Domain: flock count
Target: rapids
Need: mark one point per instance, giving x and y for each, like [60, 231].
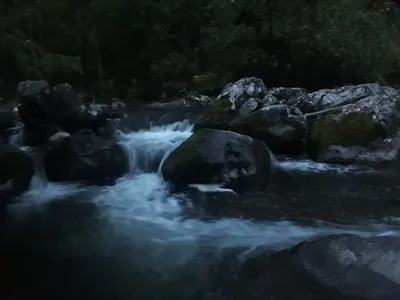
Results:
[143, 239]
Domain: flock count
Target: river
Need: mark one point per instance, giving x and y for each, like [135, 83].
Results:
[143, 239]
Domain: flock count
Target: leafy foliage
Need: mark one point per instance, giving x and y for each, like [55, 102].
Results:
[137, 48]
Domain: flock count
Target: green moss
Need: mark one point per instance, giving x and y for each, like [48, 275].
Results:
[253, 125]
[355, 128]
[187, 150]
[220, 111]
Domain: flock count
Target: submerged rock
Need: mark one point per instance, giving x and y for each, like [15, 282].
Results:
[282, 131]
[85, 156]
[221, 157]
[16, 171]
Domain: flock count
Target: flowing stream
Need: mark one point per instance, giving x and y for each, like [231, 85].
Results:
[143, 239]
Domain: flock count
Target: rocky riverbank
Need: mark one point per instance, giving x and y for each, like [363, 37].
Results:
[214, 196]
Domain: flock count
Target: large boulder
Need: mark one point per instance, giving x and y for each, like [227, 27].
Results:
[83, 156]
[7, 119]
[336, 267]
[219, 157]
[283, 130]
[16, 171]
[60, 105]
[359, 124]
[352, 266]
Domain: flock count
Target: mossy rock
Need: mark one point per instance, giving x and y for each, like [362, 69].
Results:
[283, 134]
[351, 129]
[186, 164]
[218, 116]
[218, 156]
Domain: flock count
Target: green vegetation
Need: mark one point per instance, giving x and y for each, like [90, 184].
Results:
[352, 129]
[136, 48]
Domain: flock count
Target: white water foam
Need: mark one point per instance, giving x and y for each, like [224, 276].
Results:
[316, 167]
[141, 212]
[147, 148]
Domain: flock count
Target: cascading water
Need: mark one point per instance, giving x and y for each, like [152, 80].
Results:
[141, 222]
[147, 148]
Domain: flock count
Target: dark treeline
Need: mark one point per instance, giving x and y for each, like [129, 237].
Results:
[145, 48]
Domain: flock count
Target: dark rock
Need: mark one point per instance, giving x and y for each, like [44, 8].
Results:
[7, 119]
[85, 156]
[286, 95]
[336, 267]
[16, 171]
[197, 100]
[38, 133]
[249, 106]
[305, 104]
[282, 131]
[31, 89]
[62, 106]
[218, 116]
[357, 267]
[217, 156]
[293, 97]
[117, 104]
[269, 100]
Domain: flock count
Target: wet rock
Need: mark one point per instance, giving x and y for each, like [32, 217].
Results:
[353, 266]
[242, 90]
[16, 171]
[85, 156]
[358, 124]
[217, 156]
[336, 267]
[7, 119]
[282, 131]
